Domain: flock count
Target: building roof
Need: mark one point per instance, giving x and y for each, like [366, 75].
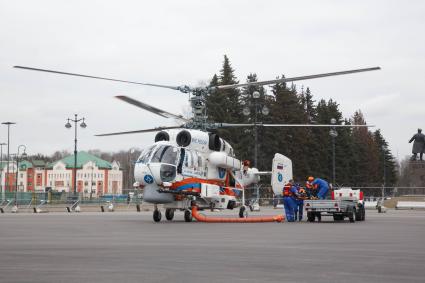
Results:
[39, 163]
[82, 158]
[24, 164]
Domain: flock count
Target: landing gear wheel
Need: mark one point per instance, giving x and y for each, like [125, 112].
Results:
[310, 217]
[243, 213]
[157, 215]
[352, 216]
[169, 214]
[187, 215]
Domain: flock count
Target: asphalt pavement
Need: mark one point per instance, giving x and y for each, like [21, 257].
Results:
[130, 247]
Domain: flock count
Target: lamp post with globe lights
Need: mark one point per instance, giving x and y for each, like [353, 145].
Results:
[68, 126]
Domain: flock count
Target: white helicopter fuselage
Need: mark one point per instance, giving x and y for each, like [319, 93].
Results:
[185, 164]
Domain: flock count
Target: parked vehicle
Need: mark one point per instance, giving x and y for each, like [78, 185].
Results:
[344, 203]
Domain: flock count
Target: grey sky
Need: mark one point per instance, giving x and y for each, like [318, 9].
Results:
[183, 42]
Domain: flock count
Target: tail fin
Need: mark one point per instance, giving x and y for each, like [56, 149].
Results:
[281, 172]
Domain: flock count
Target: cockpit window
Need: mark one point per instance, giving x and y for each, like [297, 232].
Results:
[146, 153]
[165, 154]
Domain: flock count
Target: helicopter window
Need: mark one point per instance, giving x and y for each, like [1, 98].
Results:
[165, 154]
[188, 159]
[201, 161]
[194, 160]
[146, 153]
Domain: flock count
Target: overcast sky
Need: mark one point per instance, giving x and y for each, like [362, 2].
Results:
[183, 42]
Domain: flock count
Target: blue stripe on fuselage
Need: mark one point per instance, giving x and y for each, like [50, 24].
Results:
[189, 186]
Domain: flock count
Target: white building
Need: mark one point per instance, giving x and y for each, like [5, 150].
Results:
[95, 176]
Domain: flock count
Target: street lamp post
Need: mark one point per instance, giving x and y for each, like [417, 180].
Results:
[68, 126]
[1, 172]
[265, 111]
[257, 108]
[384, 176]
[8, 154]
[333, 133]
[17, 170]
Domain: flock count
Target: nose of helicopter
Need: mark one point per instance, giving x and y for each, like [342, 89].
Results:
[152, 195]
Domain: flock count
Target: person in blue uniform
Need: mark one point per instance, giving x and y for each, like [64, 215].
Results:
[302, 195]
[320, 186]
[289, 200]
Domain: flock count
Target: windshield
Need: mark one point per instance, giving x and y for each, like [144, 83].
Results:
[165, 154]
[146, 153]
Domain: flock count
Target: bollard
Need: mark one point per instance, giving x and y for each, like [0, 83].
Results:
[102, 208]
[138, 207]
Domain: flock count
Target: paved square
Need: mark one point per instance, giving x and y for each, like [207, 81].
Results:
[130, 247]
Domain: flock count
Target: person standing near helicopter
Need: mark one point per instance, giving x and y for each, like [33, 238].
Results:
[290, 194]
[299, 207]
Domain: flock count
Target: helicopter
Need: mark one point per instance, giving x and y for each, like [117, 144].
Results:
[191, 165]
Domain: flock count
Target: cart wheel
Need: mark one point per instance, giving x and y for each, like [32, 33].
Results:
[363, 214]
[338, 217]
[319, 217]
[169, 214]
[352, 216]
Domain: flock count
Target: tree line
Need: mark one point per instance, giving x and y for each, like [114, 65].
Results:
[360, 153]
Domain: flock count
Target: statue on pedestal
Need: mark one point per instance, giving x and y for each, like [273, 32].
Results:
[418, 145]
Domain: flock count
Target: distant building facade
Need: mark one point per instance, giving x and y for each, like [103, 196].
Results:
[95, 176]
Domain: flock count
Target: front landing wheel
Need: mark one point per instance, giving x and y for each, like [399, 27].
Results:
[157, 215]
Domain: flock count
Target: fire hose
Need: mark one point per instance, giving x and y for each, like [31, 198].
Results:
[202, 218]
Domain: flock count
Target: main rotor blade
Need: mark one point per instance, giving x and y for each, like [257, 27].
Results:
[284, 80]
[316, 125]
[95, 77]
[150, 108]
[140, 131]
[223, 125]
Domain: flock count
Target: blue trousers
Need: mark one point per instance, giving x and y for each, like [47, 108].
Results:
[290, 206]
[299, 208]
[323, 191]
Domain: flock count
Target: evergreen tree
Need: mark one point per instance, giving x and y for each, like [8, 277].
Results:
[385, 157]
[366, 154]
[224, 105]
